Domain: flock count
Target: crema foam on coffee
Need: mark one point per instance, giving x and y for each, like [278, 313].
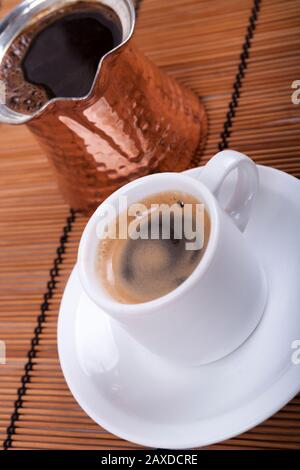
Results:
[136, 270]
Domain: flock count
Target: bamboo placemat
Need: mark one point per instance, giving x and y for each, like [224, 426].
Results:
[245, 82]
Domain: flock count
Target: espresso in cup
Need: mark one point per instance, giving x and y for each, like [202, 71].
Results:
[164, 238]
[58, 55]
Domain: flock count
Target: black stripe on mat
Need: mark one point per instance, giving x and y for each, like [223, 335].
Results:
[225, 134]
[44, 308]
[54, 271]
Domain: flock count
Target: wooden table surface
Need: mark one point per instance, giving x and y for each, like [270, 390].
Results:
[201, 43]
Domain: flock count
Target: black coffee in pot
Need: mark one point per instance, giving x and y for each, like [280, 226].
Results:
[58, 56]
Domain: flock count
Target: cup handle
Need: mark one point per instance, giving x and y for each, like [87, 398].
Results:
[218, 168]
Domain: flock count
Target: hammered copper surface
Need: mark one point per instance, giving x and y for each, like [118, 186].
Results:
[137, 120]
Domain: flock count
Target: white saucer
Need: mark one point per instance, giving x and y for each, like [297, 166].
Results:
[143, 399]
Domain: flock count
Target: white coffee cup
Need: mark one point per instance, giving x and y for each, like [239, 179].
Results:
[220, 304]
